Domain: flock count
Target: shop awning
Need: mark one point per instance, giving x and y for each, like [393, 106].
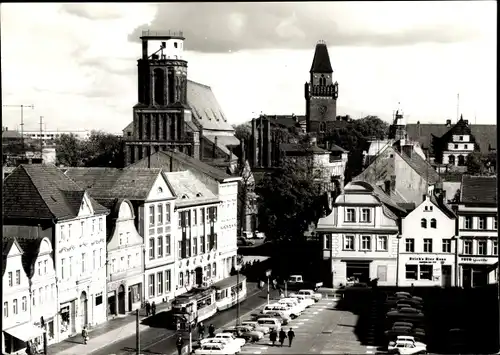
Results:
[25, 332]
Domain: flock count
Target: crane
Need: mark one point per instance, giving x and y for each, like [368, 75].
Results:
[22, 119]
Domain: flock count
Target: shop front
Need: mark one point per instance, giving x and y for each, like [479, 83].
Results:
[123, 296]
[477, 271]
[67, 318]
[48, 325]
[17, 337]
[426, 270]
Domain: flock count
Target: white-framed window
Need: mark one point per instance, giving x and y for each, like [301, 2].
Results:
[159, 210]
[202, 244]
[18, 277]
[167, 245]
[6, 309]
[167, 213]
[481, 247]
[94, 263]
[113, 265]
[348, 242]
[69, 231]
[70, 266]
[151, 248]
[423, 223]
[382, 243]
[350, 215]
[468, 247]
[151, 215]
[100, 257]
[63, 233]
[195, 246]
[187, 282]
[366, 242]
[83, 263]
[129, 260]
[494, 247]
[159, 282]
[82, 229]
[410, 245]
[151, 285]
[468, 222]
[122, 263]
[446, 246]
[202, 215]
[45, 267]
[62, 269]
[195, 217]
[427, 245]
[39, 268]
[168, 284]
[93, 226]
[34, 297]
[179, 249]
[14, 307]
[366, 215]
[495, 223]
[482, 222]
[11, 279]
[24, 304]
[101, 224]
[214, 270]
[181, 279]
[433, 223]
[160, 246]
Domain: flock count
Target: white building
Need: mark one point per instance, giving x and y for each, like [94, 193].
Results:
[198, 260]
[457, 143]
[49, 137]
[478, 231]
[360, 235]
[427, 250]
[42, 195]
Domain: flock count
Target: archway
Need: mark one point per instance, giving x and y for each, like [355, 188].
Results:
[121, 299]
[83, 309]
[199, 275]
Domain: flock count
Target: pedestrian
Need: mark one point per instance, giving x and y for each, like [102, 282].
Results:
[85, 335]
[148, 308]
[412, 289]
[211, 331]
[282, 337]
[291, 335]
[275, 283]
[179, 343]
[201, 330]
[153, 308]
[273, 336]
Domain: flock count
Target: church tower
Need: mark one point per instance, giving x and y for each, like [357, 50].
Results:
[397, 130]
[162, 110]
[321, 93]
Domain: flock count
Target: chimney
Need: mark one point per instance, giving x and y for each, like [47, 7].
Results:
[268, 144]
[448, 123]
[424, 196]
[393, 182]
[214, 147]
[387, 187]
[327, 145]
[407, 149]
[253, 147]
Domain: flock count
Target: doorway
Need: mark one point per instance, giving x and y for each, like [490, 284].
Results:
[112, 303]
[199, 275]
[446, 275]
[130, 299]
[83, 308]
[121, 299]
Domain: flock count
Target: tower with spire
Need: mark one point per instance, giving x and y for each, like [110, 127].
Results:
[321, 93]
[397, 130]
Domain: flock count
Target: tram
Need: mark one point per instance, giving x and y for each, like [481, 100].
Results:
[230, 291]
[194, 306]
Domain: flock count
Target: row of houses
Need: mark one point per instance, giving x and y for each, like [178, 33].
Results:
[368, 235]
[82, 245]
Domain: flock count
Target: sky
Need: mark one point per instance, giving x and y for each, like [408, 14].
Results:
[76, 63]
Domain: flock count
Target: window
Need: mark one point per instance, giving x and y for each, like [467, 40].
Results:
[365, 215]
[151, 285]
[494, 248]
[63, 234]
[349, 242]
[456, 146]
[101, 224]
[468, 222]
[98, 299]
[468, 247]
[62, 269]
[93, 226]
[159, 282]
[18, 277]
[40, 296]
[159, 211]
[167, 213]
[168, 285]
[129, 259]
[382, 243]
[160, 246]
[14, 307]
[466, 146]
[214, 269]
[461, 138]
[151, 248]
[425, 272]
[70, 266]
[350, 215]
[366, 242]
[34, 297]
[427, 245]
[482, 222]
[179, 249]
[495, 223]
[45, 267]
[10, 279]
[100, 257]
[167, 245]
[94, 259]
[423, 223]
[6, 309]
[195, 246]
[69, 231]
[195, 217]
[181, 279]
[481, 247]
[122, 263]
[328, 241]
[433, 223]
[446, 245]
[24, 304]
[411, 272]
[113, 265]
[83, 263]
[82, 228]
[202, 215]
[202, 244]
[410, 245]
[151, 216]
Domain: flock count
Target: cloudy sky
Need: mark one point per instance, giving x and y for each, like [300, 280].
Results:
[77, 62]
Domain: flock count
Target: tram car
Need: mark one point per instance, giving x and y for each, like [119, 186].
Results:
[193, 307]
[230, 291]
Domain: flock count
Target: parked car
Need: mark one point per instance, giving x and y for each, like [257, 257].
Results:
[284, 319]
[308, 302]
[259, 235]
[282, 310]
[311, 294]
[300, 305]
[406, 314]
[292, 306]
[402, 294]
[270, 322]
[247, 235]
[394, 332]
[230, 338]
[227, 342]
[256, 326]
[216, 348]
[406, 345]
[246, 333]
[244, 242]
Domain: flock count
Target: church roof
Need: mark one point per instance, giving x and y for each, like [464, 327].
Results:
[321, 62]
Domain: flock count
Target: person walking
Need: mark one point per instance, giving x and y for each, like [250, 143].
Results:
[148, 308]
[291, 335]
[211, 331]
[201, 330]
[273, 336]
[282, 337]
[153, 308]
[179, 344]
[85, 335]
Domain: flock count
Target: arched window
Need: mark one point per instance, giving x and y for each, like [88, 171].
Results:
[433, 223]
[214, 269]
[181, 279]
[209, 270]
[423, 223]
[451, 160]
[187, 277]
[322, 127]
[322, 80]
[159, 78]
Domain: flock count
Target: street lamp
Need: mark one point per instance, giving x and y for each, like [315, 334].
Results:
[238, 268]
[397, 261]
[268, 273]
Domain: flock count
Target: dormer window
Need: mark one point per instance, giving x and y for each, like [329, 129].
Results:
[199, 194]
[184, 196]
[461, 138]
[160, 190]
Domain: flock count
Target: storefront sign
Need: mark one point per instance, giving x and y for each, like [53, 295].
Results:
[474, 260]
[427, 259]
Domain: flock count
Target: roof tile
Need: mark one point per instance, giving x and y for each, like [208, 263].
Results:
[479, 189]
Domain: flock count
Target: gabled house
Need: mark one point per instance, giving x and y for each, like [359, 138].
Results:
[42, 197]
[361, 234]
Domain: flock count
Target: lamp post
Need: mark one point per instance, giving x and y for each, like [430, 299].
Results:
[268, 273]
[237, 267]
[397, 261]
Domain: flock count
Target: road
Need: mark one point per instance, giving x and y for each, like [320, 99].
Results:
[158, 340]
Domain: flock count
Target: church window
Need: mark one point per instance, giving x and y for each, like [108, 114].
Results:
[322, 81]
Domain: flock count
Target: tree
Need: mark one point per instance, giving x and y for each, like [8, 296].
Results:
[243, 131]
[103, 150]
[69, 150]
[371, 127]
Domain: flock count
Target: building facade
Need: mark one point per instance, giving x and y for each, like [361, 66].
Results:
[125, 253]
[361, 235]
[427, 250]
[478, 231]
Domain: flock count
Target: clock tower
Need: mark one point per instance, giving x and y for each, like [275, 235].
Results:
[321, 93]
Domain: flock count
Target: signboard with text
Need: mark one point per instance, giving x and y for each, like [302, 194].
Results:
[427, 259]
[478, 260]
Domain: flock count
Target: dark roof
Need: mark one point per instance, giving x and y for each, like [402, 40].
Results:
[443, 207]
[479, 190]
[162, 160]
[321, 62]
[285, 121]
[43, 192]
[300, 148]
[11, 135]
[336, 148]
[229, 281]
[31, 248]
[109, 183]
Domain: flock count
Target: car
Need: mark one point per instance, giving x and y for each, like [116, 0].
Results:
[270, 322]
[308, 302]
[247, 333]
[230, 338]
[300, 305]
[402, 324]
[406, 345]
[244, 242]
[247, 235]
[259, 235]
[284, 319]
[293, 305]
[216, 348]
[311, 294]
[229, 345]
[406, 314]
[256, 326]
[282, 310]
[402, 294]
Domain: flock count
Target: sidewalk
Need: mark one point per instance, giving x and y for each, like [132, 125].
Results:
[104, 334]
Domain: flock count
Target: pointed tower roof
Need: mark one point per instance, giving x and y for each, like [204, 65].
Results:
[321, 62]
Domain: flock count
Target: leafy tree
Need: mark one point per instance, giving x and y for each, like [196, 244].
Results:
[243, 131]
[475, 164]
[69, 150]
[371, 127]
[103, 150]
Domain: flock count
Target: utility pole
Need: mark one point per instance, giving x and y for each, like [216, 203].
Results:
[41, 132]
[22, 119]
[137, 334]
[238, 294]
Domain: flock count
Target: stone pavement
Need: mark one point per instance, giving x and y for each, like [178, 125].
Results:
[104, 334]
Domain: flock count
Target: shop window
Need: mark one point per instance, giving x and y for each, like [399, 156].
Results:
[425, 272]
[382, 244]
[411, 272]
[98, 299]
[446, 245]
[410, 245]
[481, 247]
[427, 245]
[349, 242]
[423, 223]
[468, 222]
[433, 223]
